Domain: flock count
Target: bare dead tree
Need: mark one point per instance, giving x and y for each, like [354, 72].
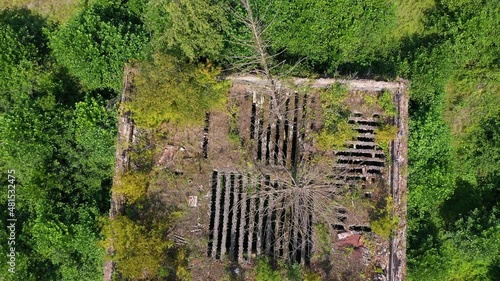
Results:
[307, 191]
[299, 200]
[296, 206]
[260, 61]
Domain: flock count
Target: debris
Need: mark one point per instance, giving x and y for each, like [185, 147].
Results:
[193, 201]
[354, 240]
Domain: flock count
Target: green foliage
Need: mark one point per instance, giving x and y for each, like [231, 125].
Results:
[168, 90]
[454, 163]
[93, 130]
[311, 276]
[383, 221]
[294, 272]
[60, 138]
[265, 272]
[324, 242]
[141, 248]
[61, 146]
[56, 10]
[236, 36]
[431, 173]
[471, 109]
[95, 44]
[384, 135]
[187, 28]
[331, 33]
[182, 265]
[142, 151]
[467, 253]
[332, 102]
[387, 103]
[23, 46]
[291, 272]
[133, 185]
[63, 183]
[411, 16]
[137, 249]
[234, 136]
[334, 140]
[59, 244]
[337, 131]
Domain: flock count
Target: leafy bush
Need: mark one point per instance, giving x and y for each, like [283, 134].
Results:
[283, 272]
[168, 90]
[384, 222]
[265, 272]
[133, 185]
[137, 251]
[64, 159]
[96, 43]
[336, 131]
[334, 140]
[453, 74]
[331, 33]
[24, 49]
[387, 103]
[384, 135]
[62, 150]
[188, 28]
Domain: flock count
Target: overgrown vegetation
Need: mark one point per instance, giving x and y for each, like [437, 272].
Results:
[383, 221]
[95, 44]
[187, 29]
[449, 184]
[60, 75]
[384, 135]
[293, 272]
[139, 251]
[337, 131]
[170, 90]
[59, 140]
[331, 34]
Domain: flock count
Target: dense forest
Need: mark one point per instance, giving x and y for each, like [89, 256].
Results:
[61, 73]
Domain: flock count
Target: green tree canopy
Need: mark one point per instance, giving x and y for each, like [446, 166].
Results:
[330, 33]
[189, 28]
[95, 44]
[22, 50]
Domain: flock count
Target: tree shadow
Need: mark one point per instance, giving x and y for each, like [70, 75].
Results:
[68, 90]
[468, 197]
[29, 27]
[423, 234]
[494, 269]
[380, 68]
[465, 198]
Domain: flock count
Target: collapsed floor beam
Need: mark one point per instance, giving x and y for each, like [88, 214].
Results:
[215, 241]
[225, 221]
[243, 216]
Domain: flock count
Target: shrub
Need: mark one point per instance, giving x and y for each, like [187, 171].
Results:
[386, 102]
[133, 185]
[265, 272]
[384, 222]
[95, 44]
[337, 131]
[188, 28]
[169, 90]
[384, 135]
[330, 33]
[137, 251]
